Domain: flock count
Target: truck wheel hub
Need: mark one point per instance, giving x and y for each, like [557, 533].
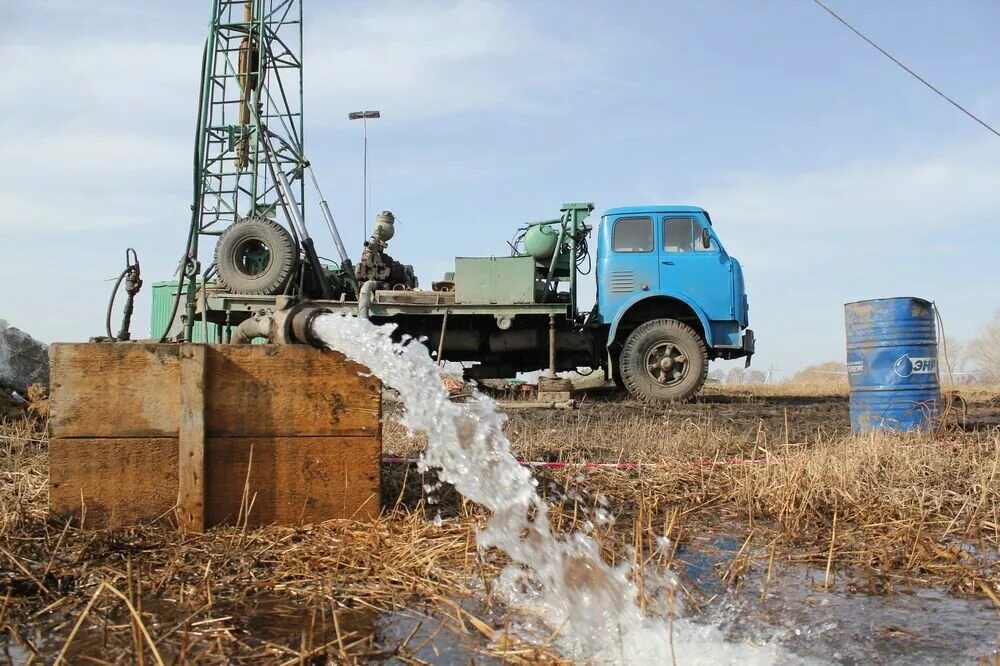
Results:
[252, 257]
[666, 364]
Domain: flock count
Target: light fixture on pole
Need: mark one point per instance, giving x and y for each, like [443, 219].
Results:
[363, 116]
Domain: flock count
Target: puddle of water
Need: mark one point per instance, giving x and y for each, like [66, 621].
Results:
[408, 631]
[272, 618]
[843, 624]
[433, 639]
[278, 618]
[907, 626]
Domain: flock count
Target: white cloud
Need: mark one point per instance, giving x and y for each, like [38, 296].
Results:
[73, 210]
[414, 60]
[74, 82]
[89, 181]
[110, 120]
[93, 156]
[97, 130]
[780, 222]
[437, 60]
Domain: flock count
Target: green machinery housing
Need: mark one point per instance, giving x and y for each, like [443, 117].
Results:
[545, 255]
[499, 312]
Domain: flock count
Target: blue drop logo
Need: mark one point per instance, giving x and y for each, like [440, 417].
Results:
[903, 366]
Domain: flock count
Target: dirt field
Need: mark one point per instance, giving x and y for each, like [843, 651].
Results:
[809, 412]
[745, 483]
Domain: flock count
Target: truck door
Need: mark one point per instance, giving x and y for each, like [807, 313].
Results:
[692, 269]
[632, 265]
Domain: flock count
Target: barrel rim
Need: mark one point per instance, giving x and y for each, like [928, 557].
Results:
[891, 298]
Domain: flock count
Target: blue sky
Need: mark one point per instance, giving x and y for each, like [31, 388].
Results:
[829, 172]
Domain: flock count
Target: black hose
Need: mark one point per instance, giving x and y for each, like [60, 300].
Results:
[516, 242]
[111, 303]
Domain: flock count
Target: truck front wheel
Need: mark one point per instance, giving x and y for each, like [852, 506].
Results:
[663, 360]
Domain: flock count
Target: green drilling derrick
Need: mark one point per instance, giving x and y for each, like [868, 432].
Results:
[250, 132]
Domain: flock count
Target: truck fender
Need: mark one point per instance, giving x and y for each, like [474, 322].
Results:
[678, 297]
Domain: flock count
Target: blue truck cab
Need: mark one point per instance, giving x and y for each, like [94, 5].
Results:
[670, 299]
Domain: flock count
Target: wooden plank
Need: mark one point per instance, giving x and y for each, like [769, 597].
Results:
[126, 390]
[114, 390]
[292, 481]
[191, 439]
[114, 482]
[288, 391]
[123, 414]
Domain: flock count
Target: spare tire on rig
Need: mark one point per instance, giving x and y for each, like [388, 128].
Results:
[663, 360]
[255, 256]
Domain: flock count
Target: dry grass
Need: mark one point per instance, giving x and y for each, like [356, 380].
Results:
[798, 389]
[924, 508]
[274, 594]
[23, 473]
[921, 509]
[785, 476]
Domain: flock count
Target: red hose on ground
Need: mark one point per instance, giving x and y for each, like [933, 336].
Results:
[399, 460]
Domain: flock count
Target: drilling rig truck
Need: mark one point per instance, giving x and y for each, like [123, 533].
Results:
[670, 298]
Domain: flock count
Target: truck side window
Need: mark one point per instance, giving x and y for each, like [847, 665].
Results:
[678, 234]
[633, 234]
[683, 234]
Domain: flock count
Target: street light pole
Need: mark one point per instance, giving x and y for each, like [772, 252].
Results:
[363, 116]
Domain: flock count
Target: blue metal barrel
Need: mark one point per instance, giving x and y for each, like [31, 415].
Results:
[892, 364]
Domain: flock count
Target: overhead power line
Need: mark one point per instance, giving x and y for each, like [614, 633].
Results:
[908, 70]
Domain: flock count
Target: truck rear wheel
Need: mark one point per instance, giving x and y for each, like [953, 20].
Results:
[663, 360]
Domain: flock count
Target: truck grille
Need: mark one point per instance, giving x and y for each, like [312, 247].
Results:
[622, 281]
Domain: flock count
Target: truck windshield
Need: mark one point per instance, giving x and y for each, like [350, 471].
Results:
[633, 234]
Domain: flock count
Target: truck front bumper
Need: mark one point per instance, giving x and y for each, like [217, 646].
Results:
[749, 345]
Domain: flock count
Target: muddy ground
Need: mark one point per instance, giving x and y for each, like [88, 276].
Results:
[767, 410]
[804, 415]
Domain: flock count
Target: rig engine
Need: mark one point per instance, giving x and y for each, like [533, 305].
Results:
[377, 265]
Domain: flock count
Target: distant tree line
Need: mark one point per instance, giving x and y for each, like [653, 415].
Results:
[975, 360]
[831, 372]
[737, 376]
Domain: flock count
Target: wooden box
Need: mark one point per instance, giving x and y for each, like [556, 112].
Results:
[215, 434]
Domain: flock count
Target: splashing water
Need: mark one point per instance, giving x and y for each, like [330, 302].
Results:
[563, 580]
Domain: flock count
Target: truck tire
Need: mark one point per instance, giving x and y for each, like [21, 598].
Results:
[255, 256]
[663, 360]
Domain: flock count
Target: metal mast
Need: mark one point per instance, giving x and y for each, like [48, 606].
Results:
[251, 100]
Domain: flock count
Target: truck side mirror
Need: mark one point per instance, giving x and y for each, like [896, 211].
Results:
[706, 239]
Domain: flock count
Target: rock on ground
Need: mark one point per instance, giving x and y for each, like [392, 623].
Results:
[23, 360]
